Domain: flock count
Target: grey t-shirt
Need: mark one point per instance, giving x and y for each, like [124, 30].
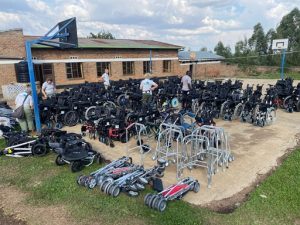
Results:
[185, 80]
[49, 88]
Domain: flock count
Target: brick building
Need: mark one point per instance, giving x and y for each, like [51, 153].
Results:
[125, 59]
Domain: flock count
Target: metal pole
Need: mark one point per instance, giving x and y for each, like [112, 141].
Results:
[33, 86]
[151, 61]
[282, 64]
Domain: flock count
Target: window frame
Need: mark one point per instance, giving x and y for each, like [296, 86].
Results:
[100, 67]
[147, 67]
[128, 65]
[167, 69]
[78, 70]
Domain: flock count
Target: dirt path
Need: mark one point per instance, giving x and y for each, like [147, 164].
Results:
[13, 202]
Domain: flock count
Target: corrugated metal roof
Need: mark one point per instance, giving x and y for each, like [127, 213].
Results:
[115, 43]
[198, 56]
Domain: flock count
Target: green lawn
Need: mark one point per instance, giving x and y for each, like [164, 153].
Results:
[295, 76]
[48, 184]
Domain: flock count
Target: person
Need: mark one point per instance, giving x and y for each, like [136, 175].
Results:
[48, 88]
[26, 123]
[147, 86]
[186, 82]
[105, 78]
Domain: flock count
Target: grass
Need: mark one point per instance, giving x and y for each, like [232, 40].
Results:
[294, 75]
[48, 184]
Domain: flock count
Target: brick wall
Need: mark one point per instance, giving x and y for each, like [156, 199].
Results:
[12, 44]
[100, 53]
[7, 74]
[89, 69]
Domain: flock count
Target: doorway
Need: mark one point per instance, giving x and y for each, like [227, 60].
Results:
[43, 71]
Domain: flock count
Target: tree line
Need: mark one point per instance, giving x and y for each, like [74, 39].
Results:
[257, 50]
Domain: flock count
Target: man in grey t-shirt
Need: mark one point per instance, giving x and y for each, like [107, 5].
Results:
[48, 88]
[105, 79]
[186, 82]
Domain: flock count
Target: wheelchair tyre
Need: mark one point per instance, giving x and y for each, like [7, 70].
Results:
[77, 166]
[39, 150]
[59, 161]
[71, 118]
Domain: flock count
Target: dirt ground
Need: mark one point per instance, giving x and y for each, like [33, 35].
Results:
[256, 151]
[13, 202]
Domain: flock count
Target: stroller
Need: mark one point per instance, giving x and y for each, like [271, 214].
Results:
[73, 150]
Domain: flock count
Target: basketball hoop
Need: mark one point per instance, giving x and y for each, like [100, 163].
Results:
[280, 44]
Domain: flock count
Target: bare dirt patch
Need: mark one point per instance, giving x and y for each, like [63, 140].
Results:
[13, 201]
[9, 219]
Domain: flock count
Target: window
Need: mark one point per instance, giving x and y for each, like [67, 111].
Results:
[47, 70]
[128, 68]
[146, 67]
[101, 66]
[74, 70]
[167, 66]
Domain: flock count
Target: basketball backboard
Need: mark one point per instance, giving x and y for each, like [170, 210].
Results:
[280, 44]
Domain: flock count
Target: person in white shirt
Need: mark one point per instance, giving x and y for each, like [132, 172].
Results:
[26, 124]
[105, 79]
[48, 88]
[147, 86]
[186, 82]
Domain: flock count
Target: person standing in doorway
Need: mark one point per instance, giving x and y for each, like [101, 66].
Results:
[48, 88]
[147, 86]
[25, 99]
[105, 79]
[186, 82]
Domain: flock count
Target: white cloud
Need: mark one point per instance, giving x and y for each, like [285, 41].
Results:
[221, 24]
[277, 11]
[198, 31]
[72, 10]
[40, 6]
[8, 18]
[175, 20]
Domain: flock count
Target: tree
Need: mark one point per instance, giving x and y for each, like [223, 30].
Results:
[289, 27]
[221, 50]
[203, 49]
[241, 48]
[102, 35]
[258, 41]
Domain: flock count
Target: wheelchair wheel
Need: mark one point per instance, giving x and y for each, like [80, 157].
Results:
[196, 187]
[77, 166]
[90, 112]
[39, 150]
[147, 198]
[224, 106]
[59, 161]
[110, 105]
[238, 111]
[298, 106]
[286, 102]
[71, 118]
[161, 205]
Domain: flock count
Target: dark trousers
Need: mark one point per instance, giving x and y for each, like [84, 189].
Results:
[185, 99]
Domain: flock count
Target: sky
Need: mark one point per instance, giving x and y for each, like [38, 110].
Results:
[190, 23]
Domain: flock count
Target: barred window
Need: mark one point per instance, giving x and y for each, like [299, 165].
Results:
[74, 70]
[101, 66]
[167, 66]
[146, 67]
[128, 68]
